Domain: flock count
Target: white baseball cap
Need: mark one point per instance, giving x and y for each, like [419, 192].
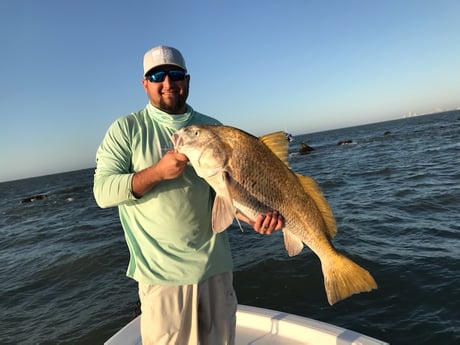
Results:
[163, 55]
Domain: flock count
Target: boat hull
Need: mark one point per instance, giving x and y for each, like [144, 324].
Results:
[257, 326]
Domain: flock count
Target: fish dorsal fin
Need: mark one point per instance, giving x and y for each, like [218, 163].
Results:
[277, 143]
[314, 191]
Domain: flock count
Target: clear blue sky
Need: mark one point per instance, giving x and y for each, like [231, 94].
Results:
[70, 68]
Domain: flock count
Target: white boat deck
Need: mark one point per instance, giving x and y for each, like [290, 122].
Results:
[257, 326]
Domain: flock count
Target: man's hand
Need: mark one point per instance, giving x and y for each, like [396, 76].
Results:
[170, 166]
[265, 224]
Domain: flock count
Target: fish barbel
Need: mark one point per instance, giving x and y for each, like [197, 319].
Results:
[251, 175]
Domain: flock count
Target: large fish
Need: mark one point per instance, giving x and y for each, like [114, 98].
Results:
[251, 175]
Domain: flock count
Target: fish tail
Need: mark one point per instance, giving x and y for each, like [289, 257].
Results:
[343, 278]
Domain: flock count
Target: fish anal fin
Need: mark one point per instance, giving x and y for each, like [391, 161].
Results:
[343, 278]
[277, 143]
[314, 191]
[223, 213]
[292, 243]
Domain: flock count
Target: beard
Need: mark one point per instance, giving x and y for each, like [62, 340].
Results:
[174, 105]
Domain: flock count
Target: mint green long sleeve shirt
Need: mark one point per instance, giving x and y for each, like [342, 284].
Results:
[167, 230]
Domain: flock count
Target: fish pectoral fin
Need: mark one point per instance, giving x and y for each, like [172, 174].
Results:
[314, 191]
[223, 210]
[223, 213]
[292, 243]
[277, 143]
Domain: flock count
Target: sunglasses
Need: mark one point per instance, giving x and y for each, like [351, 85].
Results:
[159, 76]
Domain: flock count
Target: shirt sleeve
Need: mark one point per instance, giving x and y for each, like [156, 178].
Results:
[113, 175]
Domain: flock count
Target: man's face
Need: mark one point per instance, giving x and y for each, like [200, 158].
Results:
[168, 95]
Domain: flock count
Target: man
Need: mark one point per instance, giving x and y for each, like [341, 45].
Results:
[184, 270]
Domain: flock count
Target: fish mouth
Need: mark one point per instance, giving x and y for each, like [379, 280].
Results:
[177, 140]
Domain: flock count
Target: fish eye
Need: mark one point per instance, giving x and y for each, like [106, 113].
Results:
[197, 133]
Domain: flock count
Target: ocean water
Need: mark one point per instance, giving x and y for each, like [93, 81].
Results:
[396, 198]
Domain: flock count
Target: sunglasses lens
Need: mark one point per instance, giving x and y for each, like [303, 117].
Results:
[157, 76]
[176, 75]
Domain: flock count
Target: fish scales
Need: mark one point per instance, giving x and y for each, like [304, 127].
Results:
[250, 170]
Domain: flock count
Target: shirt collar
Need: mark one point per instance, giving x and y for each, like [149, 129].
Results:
[175, 121]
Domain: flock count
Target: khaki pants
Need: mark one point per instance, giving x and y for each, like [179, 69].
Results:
[203, 313]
